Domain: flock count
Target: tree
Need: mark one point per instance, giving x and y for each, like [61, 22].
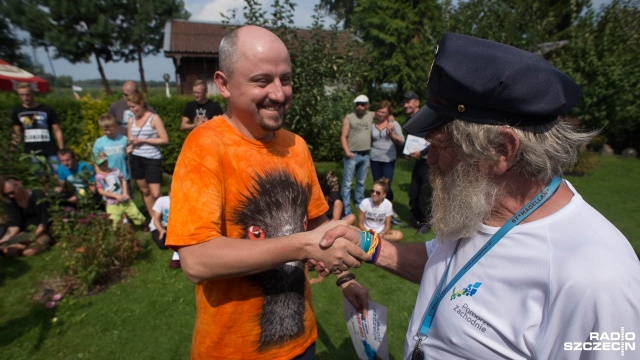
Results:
[602, 57]
[521, 23]
[76, 30]
[400, 39]
[140, 28]
[342, 10]
[9, 43]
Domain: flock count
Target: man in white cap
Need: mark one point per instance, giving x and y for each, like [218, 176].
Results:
[356, 143]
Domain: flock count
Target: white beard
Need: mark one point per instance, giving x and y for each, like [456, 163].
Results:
[462, 200]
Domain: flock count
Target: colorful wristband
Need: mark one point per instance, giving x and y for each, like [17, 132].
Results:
[373, 245]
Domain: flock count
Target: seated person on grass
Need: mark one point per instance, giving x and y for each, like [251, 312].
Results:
[376, 212]
[112, 186]
[331, 191]
[76, 178]
[24, 217]
[159, 228]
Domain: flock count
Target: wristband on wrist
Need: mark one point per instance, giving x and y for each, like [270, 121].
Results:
[370, 243]
[345, 278]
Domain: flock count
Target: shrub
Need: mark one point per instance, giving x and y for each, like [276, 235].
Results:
[92, 251]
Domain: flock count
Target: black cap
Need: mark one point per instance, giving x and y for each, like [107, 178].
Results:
[410, 95]
[486, 82]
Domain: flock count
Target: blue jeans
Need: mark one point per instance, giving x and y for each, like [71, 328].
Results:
[381, 169]
[360, 165]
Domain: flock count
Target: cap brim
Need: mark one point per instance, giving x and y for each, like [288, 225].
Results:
[424, 120]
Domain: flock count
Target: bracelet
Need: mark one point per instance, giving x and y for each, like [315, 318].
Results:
[376, 253]
[344, 278]
[370, 243]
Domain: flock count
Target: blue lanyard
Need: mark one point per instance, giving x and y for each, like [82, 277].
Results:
[522, 214]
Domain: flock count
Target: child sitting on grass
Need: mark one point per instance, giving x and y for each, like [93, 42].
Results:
[376, 212]
[159, 228]
[111, 185]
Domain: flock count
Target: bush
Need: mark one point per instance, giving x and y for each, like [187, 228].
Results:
[92, 251]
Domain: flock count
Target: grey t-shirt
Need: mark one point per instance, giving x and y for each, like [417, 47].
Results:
[359, 138]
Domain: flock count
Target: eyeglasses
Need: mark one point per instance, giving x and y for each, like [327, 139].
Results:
[376, 192]
[361, 104]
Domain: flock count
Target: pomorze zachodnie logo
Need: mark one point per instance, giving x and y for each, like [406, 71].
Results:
[605, 341]
[470, 290]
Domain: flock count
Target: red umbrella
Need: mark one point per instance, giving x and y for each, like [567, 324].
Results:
[11, 75]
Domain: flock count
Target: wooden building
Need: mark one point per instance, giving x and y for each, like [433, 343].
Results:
[193, 47]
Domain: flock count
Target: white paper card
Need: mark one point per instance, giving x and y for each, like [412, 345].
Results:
[369, 335]
[414, 143]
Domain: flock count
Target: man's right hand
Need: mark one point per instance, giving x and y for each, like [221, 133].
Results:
[343, 237]
[338, 253]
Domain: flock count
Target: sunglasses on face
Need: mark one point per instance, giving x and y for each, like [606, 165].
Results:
[361, 104]
[376, 192]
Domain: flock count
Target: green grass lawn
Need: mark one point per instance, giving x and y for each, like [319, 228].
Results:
[150, 314]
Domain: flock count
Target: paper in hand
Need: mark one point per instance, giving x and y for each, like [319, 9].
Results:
[369, 335]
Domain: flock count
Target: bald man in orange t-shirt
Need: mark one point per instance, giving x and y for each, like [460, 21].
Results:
[247, 211]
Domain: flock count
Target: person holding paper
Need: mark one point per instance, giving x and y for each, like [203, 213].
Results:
[523, 267]
[417, 148]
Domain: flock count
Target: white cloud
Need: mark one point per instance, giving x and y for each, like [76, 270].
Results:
[210, 10]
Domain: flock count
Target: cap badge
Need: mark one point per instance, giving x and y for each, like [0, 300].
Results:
[461, 108]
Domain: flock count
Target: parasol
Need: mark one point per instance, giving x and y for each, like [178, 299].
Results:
[11, 75]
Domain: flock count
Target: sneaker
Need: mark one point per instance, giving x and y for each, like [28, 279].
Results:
[174, 264]
[396, 220]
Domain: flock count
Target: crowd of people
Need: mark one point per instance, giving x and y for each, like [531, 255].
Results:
[521, 265]
[126, 157]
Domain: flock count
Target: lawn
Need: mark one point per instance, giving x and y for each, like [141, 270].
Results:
[150, 314]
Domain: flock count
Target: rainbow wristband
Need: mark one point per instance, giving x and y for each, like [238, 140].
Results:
[376, 253]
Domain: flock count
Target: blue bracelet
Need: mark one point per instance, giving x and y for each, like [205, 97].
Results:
[365, 240]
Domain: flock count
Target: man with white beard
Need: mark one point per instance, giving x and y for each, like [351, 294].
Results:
[521, 266]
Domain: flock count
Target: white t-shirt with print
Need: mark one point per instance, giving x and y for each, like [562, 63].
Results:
[538, 293]
[374, 216]
[161, 206]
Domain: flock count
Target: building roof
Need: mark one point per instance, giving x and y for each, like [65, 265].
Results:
[188, 37]
[182, 37]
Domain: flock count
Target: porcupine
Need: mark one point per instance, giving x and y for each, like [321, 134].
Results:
[276, 205]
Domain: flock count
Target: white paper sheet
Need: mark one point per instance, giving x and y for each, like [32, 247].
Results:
[414, 143]
[369, 335]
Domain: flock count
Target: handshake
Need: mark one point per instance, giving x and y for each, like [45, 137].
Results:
[341, 247]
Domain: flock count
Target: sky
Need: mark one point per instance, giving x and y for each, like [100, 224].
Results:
[156, 66]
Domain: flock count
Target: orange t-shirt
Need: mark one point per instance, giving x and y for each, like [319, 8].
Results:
[222, 179]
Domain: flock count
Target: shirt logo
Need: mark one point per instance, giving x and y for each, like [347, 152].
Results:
[470, 290]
